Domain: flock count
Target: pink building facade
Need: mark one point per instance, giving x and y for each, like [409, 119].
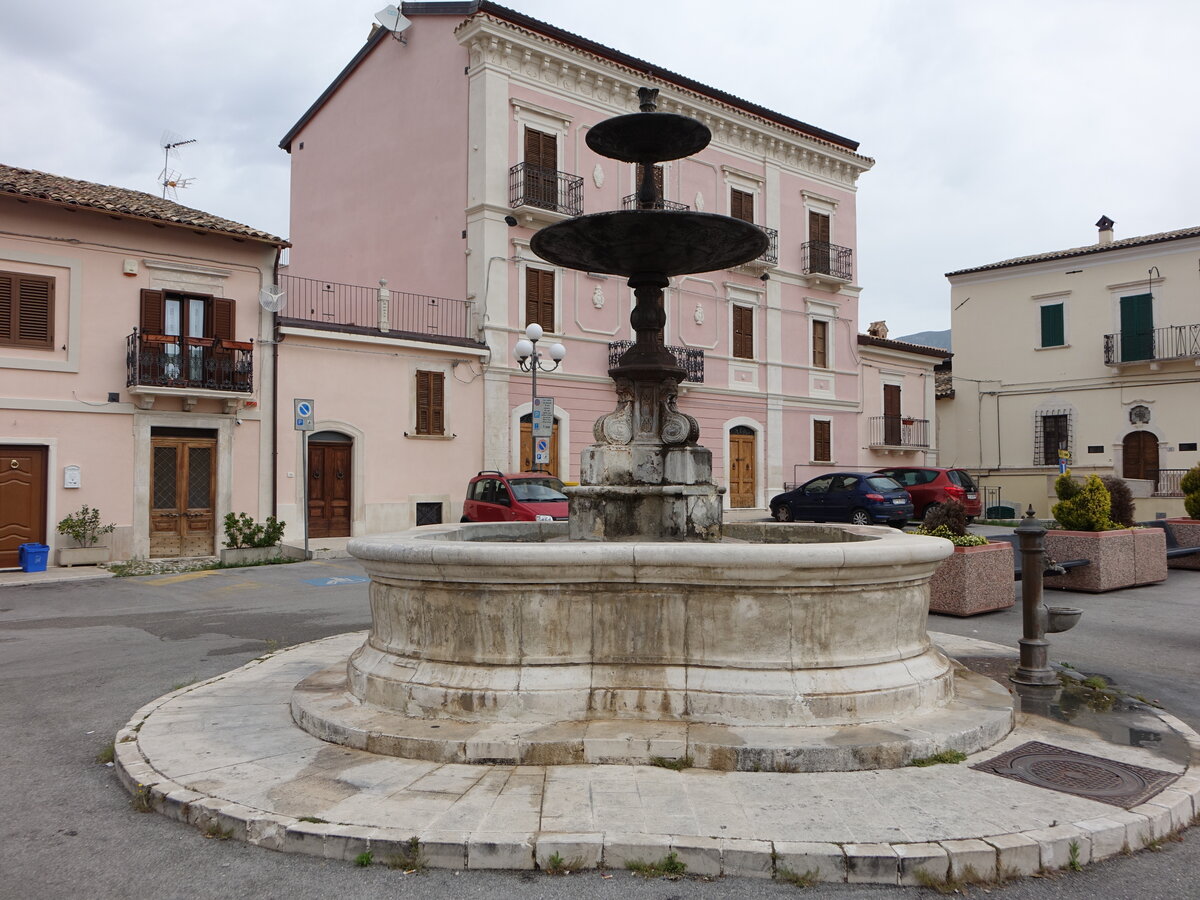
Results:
[436, 155]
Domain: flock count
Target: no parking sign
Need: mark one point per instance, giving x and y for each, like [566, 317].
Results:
[541, 451]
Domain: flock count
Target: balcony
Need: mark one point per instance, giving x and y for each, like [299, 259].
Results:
[687, 358]
[540, 191]
[770, 256]
[330, 306]
[160, 365]
[825, 261]
[630, 201]
[1154, 346]
[899, 433]
[1166, 482]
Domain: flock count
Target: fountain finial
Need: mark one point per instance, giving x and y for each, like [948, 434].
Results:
[647, 99]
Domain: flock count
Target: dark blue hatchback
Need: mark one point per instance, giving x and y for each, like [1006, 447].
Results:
[861, 498]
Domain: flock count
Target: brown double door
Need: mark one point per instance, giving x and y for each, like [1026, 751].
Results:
[22, 500]
[1140, 452]
[182, 509]
[329, 489]
[741, 467]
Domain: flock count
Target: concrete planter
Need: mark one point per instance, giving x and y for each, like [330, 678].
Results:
[83, 556]
[973, 580]
[237, 556]
[1127, 557]
[1187, 532]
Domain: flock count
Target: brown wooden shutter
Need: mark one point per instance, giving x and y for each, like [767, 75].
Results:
[431, 403]
[741, 205]
[539, 298]
[822, 449]
[223, 318]
[891, 400]
[541, 149]
[423, 393]
[743, 332]
[820, 344]
[6, 306]
[818, 227]
[26, 309]
[153, 317]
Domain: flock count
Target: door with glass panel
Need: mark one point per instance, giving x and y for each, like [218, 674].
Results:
[183, 482]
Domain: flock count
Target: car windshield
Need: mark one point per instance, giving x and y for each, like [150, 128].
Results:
[538, 490]
[882, 483]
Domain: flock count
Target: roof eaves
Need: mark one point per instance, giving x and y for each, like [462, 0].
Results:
[1074, 252]
[905, 346]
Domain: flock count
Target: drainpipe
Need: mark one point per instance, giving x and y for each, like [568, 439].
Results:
[276, 337]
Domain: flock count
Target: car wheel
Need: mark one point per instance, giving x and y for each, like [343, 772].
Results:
[782, 513]
[464, 519]
[970, 520]
[930, 508]
[860, 517]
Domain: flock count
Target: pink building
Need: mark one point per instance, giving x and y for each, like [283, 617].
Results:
[430, 162]
[131, 371]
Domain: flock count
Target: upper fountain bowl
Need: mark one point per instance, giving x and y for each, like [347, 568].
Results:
[648, 137]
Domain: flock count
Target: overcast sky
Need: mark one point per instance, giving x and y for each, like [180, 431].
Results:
[998, 129]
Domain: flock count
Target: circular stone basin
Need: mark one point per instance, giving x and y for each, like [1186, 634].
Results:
[508, 642]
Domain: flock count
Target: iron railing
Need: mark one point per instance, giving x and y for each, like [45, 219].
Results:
[545, 188]
[899, 431]
[824, 258]
[1166, 482]
[630, 201]
[1169, 342]
[771, 254]
[354, 306]
[159, 360]
[689, 359]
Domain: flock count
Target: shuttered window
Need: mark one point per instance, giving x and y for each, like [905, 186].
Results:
[818, 226]
[541, 149]
[26, 310]
[741, 205]
[431, 405]
[820, 344]
[822, 449]
[539, 298]
[743, 332]
[1053, 333]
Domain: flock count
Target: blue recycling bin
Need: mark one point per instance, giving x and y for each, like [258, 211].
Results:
[32, 557]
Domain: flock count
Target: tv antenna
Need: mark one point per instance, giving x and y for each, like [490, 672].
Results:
[171, 180]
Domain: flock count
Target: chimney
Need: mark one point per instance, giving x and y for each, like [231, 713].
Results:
[1106, 229]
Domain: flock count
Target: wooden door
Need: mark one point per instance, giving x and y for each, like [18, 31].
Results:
[891, 414]
[741, 467]
[329, 496]
[541, 169]
[818, 236]
[1140, 455]
[550, 468]
[22, 500]
[1137, 327]
[182, 509]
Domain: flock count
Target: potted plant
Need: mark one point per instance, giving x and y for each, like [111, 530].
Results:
[1118, 556]
[978, 576]
[84, 528]
[1187, 529]
[247, 541]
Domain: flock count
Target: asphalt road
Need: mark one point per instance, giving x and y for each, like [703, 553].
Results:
[76, 660]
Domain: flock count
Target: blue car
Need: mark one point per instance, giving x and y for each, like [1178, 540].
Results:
[860, 498]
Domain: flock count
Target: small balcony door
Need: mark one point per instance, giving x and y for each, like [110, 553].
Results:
[182, 514]
[1137, 327]
[891, 415]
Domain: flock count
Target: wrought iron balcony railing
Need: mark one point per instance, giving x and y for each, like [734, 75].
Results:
[630, 201]
[899, 431]
[351, 306]
[824, 258]
[544, 188]
[689, 359]
[214, 364]
[1152, 345]
[771, 254]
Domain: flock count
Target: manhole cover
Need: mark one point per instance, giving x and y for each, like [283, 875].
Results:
[1081, 774]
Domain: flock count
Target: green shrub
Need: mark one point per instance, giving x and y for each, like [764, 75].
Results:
[1087, 508]
[243, 531]
[84, 526]
[958, 540]
[1190, 485]
[1066, 487]
[1122, 509]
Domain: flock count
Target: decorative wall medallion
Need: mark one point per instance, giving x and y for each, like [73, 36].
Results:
[699, 202]
[1139, 415]
[598, 176]
[699, 314]
[598, 298]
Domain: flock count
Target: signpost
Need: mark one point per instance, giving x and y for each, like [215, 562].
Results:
[1064, 460]
[541, 451]
[304, 413]
[543, 416]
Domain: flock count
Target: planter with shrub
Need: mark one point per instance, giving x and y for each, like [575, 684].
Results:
[977, 577]
[1187, 529]
[84, 528]
[248, 541]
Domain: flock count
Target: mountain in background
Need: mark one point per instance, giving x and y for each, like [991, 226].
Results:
[929, 338]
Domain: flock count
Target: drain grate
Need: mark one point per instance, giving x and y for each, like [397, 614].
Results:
[1060, 769]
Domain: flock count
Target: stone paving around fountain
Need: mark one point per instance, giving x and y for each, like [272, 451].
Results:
[225, 756]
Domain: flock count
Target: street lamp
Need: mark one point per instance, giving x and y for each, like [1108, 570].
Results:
[531, 360]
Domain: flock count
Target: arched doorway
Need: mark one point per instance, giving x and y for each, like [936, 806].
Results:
[741, 466]
[527, 447]
[1139, 454]
[329, 480]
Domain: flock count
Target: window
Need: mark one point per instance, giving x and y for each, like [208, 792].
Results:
[1052, 433]
[743, 332]
[429, 513]
[541, 169]
[820, 344]
[822, 445]
[431, 407]
[1053, 328]
[539, 298]
[26, 310]
[741, 205]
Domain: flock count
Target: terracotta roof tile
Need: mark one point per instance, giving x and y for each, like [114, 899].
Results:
[870, 340]
[1084, 251]
[121, 201]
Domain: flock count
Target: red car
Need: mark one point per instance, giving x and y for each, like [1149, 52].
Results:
[517, 497]
[930, 487]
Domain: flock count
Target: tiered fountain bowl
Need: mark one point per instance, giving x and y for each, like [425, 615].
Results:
[643, 628]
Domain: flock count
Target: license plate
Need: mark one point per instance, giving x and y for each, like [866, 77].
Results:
[897, 501]
[972, 496]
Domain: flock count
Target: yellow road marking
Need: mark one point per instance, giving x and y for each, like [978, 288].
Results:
[185, 576]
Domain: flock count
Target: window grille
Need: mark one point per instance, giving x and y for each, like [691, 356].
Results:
[1053, 431]
[429, 514]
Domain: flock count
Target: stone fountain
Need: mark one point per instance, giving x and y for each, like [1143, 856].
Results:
[643, 628]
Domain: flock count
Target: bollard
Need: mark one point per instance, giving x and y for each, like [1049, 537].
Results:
[1033, 667]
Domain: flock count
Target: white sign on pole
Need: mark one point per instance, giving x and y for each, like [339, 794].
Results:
[541, 451]
[305, 411]
[543, 416]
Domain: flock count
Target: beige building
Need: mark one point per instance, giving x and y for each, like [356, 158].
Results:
[1089, 354]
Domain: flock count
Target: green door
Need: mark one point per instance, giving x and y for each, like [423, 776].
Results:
[1137, 328]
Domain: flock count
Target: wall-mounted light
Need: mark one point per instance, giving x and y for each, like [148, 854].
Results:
[510, 221]
[765, 276]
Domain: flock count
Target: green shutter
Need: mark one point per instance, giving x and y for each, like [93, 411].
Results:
[1052, 325]
[1137, 327]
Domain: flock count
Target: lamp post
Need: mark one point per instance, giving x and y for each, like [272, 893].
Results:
[531, 360]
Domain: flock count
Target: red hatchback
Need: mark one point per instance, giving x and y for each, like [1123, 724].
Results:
[517, 497]
[932, 487]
